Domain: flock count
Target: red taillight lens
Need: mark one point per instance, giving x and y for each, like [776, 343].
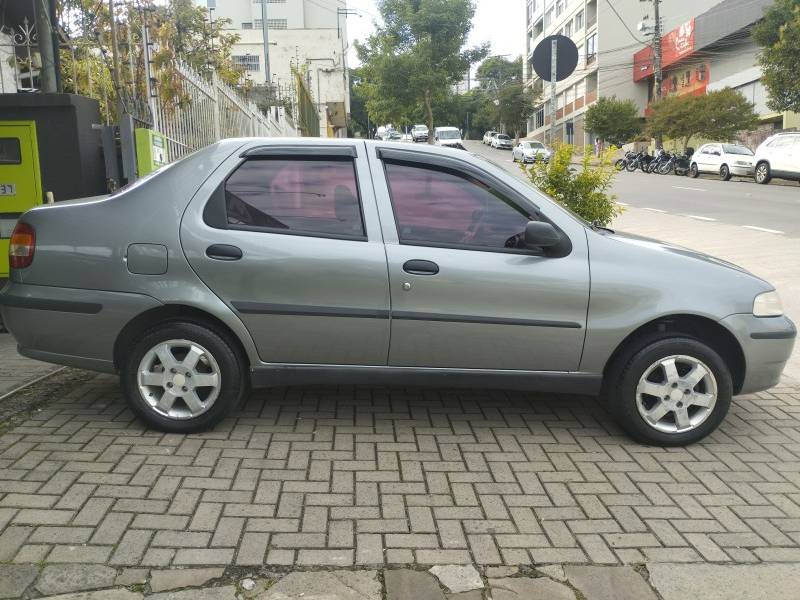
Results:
[22, 246]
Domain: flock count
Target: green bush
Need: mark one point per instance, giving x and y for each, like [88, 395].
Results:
[585, 190]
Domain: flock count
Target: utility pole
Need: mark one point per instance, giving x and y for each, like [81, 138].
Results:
[553, 80]
[265, 33]
[657, 75]
[47, 74]
[114, 49]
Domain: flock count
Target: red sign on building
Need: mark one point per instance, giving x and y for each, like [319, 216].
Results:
[675, 45]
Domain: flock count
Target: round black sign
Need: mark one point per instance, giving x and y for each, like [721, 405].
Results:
[566, 57]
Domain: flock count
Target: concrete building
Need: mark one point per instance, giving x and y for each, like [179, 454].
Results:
[309, 35]
[607, 36]
[712, 51]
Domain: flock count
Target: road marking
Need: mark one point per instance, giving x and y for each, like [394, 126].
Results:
[699, 218]
[658, 210]
[763, 229]
[679, 187]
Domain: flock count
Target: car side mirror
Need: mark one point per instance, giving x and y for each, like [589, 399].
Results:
[539, 234]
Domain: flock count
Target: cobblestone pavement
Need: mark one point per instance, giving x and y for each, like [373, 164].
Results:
[376, 476]
[16, 370]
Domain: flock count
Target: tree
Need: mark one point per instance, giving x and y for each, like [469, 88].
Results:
[416, 56]
[516, 105]
[498, 70]
[718, 115]
[615, 121]
[778, 33]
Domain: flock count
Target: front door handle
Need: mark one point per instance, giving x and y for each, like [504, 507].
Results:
[224, 252]
[421, 267]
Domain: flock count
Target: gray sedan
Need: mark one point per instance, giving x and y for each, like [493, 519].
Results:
[261, 262]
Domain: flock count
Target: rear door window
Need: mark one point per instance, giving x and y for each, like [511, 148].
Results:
[296, 196]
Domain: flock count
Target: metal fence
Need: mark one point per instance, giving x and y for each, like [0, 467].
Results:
[213, 111]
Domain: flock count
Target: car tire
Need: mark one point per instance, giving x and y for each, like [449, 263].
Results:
[636, 369]
[214, 354]
[694, 171]
[763, 173]
[724, 173]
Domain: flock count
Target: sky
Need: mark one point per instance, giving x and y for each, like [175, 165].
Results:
[500, 22]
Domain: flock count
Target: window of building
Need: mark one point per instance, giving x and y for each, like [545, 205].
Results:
[539, 117]
[568, 29]
[247, 25]
[440, 207]
[559, 7]
[579, 21]
[272, 23]
[296, 196]
[591, 47]
[548, 18]
[250, 62]
[701, 73]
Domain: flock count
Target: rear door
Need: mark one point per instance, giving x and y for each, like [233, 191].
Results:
[20, 183]
[291, 241]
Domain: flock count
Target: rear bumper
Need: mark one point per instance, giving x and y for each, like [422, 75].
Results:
[69, 326]
[767, 344]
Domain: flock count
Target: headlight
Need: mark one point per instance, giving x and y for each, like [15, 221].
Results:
[768, 304]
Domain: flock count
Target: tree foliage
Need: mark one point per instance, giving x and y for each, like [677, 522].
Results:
[415, 57]
[718, 115]
[615, 121]
[584, 191]
[498, 70]
[779, 36]
[516, 105]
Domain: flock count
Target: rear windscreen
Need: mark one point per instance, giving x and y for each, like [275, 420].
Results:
[9, 151]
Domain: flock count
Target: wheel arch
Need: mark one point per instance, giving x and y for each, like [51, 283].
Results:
[175, 312]
[703, 329]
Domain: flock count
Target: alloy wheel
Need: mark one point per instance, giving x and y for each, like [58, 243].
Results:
[761, 172]
[676, 394]
[179, 379]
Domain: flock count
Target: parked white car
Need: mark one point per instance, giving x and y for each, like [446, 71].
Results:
[502, 141]
[529, 151]
[487, 137]
[419, 133]
[724, 160]
[778, 156]
[449, 137]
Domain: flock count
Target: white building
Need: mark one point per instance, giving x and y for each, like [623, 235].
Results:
[309, 35]
[607, 35]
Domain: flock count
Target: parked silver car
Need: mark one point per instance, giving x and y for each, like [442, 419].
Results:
[529, 151]
[725, 160]
[275, 262]
[502, 141]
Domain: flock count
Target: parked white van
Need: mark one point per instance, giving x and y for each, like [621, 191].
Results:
[448, 136]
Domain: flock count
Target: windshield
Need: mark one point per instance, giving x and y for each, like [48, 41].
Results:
[736, 149]
[503, 137]
[449, 134]
[534, 145]
[420, 128]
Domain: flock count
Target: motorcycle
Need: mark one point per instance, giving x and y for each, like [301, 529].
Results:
[622, 163]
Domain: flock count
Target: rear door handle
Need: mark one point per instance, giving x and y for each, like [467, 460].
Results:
[421, 267]
[224, 252]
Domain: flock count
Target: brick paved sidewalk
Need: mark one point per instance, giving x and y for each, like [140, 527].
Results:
[16, 370]
[377, 476]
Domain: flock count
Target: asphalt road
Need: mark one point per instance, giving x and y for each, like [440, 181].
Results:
[773, 208]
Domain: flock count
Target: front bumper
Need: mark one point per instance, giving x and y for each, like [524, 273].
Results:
[767, 344]
[68, 326]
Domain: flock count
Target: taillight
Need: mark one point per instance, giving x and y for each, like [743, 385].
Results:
[22, 246]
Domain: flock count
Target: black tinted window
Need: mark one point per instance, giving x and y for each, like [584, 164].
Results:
[443, 207]
[303, 196]
[10, 152]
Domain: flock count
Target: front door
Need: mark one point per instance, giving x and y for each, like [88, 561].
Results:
[20, 183]
[291, 242]
[464, 293]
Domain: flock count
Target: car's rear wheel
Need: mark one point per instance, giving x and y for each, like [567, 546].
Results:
[763, 174]
[694, 171]
[182, 377]
[724, 173]
[670, 391]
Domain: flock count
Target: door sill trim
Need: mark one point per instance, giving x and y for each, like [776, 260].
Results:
[568, 382]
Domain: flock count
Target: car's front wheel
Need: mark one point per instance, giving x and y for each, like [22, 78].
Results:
[724, 173]
[182, 377]
[694, 171]
[763, 174]
[670, 391]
